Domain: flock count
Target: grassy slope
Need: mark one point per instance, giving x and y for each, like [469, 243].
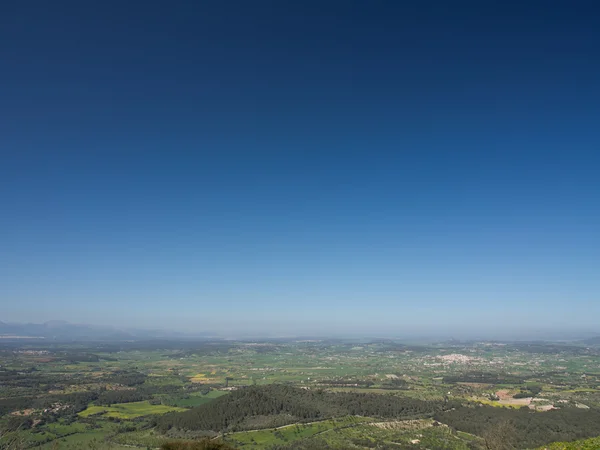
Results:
[264, 438]
[586, 444]
[91, 440]
[356, 432]
[129, 410]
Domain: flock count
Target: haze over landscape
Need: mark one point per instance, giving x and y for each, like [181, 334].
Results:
[302, 168]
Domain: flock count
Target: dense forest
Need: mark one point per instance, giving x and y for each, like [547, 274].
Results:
[232, 412]
[202, 444]
[321, 444]
[236, 412]
[530, 429]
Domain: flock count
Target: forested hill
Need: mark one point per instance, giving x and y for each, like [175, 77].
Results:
[232, 412]
[527, 429]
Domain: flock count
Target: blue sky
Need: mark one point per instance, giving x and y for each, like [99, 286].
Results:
[323, 167]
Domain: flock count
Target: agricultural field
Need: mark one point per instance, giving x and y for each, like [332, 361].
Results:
[286, 433]
[333, 394]
[128, 410]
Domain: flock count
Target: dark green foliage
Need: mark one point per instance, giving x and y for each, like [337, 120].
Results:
[65, 404]
[60, 404]
[502, 435]
[204, 444]
[229, 412]
[108, 398]
[272, 421]
[29, 379]
[8, 405]
[321, 444]
[522, 395]
[530, 391]
[35, 381]
[395, 383]
[161, 389]
[14, 423]
[532, 429]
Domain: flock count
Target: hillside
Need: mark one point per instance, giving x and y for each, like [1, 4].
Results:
[266, 406]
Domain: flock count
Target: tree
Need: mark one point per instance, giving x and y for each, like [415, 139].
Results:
[500, 436]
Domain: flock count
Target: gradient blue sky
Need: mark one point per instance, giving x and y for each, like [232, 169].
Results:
[316, 167]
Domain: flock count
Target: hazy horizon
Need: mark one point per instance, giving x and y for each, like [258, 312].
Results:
[267, 330]
[301, 168]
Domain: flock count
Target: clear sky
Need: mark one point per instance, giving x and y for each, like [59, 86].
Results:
[311, 166]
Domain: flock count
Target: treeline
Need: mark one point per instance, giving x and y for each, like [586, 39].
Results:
[38, 382]
[531, 429]
[29, 378]
[77, 357]
[69, 403]
[395, 383]
[34, 379]
[108, 398]
[529, 391]
[15, 423]
[203, 444]
[51, 407]
[230, 412]
[125, 378]
[317, 443]
[550, 348]
[402, 348]
[483, 377]
[138, 394]
[8, 405]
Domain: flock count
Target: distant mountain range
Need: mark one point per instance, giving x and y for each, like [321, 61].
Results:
[64, 331]
[592, 341]
[60, 330]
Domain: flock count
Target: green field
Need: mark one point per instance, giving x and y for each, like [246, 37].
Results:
[285, 434]
[90, 440]
[128, 410]
[586, 444]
